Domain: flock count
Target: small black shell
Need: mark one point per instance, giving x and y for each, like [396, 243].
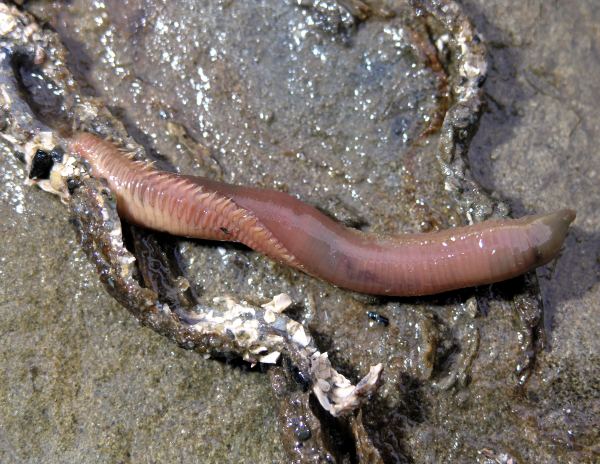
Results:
[375, 316]
[41, 165]
[57, 154]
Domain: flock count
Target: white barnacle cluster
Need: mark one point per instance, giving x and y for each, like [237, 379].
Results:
[297, 334]
[334, 391]
[472, 66]
[245, 325]
[472, 63]
[276, 306]
[257, 331]
[61, 171]
[8, 22]
[13, 25]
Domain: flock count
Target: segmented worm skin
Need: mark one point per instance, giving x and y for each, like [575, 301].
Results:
[294, 233]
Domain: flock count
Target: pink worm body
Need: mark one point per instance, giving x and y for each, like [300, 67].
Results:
[294, 233]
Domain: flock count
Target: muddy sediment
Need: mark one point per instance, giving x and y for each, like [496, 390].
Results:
[355, 114]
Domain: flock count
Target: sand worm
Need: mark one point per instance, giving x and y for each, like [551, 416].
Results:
[292, 232]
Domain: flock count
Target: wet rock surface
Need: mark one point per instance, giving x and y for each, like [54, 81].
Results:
[536, 142]
[343, 115]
